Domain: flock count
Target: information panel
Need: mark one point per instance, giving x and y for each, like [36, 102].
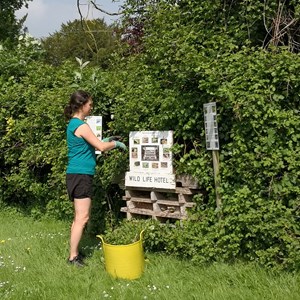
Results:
[211, 126]
[150, 159]
[95, 123]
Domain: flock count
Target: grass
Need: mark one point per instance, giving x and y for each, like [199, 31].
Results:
[33, 266]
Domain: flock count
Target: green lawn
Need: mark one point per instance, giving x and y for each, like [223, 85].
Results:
[33, 266]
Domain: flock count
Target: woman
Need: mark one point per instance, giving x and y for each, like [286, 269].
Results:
[81, 165]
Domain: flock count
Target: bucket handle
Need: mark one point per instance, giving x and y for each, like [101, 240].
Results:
[141, 234]
[102, 240]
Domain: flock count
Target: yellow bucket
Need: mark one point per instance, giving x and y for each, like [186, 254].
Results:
[124, 261]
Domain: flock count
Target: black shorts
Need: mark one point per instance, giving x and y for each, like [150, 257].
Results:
[79, 186]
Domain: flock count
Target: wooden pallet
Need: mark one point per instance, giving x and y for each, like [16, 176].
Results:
[161, 204]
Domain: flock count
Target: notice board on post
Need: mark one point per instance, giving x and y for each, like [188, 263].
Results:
[95, 123]
[150, 160]
[211, 126]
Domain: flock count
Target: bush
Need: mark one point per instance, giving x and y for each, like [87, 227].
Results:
[181, 65]
[33, 145]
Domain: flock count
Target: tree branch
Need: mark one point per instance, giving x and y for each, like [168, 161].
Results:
[104, 11]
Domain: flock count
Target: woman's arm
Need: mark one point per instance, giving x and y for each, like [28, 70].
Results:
[86, 132]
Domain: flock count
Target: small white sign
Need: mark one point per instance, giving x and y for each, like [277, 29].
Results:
[211, 126]
[150, 180]
[95, 123]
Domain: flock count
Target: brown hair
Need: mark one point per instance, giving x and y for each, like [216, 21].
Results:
[77, 100]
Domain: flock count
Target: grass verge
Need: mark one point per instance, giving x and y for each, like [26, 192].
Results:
[33, 266]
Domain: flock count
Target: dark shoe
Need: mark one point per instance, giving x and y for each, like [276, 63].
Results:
[77, 261]
[81, 255]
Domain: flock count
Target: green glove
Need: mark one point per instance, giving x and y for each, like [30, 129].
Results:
[120, 145]
[111, 138]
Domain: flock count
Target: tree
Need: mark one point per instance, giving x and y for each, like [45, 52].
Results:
[10, 27]
[90, 40]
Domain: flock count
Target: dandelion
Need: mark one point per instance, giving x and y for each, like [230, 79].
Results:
[3, 241]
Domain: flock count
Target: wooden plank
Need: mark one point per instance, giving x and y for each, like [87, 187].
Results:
[169, 202]
[153, 214]
[149, 189]
[138, 211]
[128, 214]
[177, 190]
[167, 214]
[134, 199]
[186, 191]
[176, 203]
[123, 209]
[189, 204]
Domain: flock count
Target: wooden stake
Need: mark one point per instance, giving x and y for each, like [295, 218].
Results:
[216, 165]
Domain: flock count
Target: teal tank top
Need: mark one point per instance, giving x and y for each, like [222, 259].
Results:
[81, 155]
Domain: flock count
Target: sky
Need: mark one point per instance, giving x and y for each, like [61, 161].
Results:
[46, 16]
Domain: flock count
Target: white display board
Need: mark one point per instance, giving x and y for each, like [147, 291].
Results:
[151, 162]
[95, 123]
[211, 126]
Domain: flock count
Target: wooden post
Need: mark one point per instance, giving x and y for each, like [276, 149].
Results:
[216, 165]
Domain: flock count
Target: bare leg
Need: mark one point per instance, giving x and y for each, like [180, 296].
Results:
[81, 217]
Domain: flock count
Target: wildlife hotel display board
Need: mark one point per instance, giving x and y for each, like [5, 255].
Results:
[150, 160]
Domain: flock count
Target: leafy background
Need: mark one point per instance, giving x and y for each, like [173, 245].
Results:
[171, 59]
